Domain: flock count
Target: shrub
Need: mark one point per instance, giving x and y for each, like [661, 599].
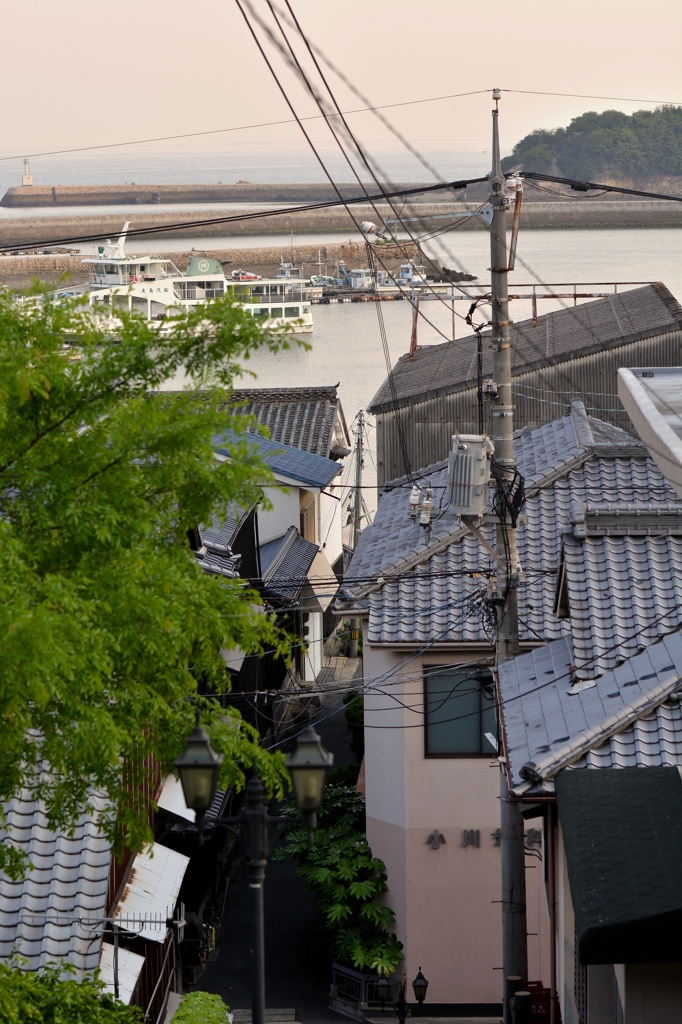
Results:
[201, 1008]
[347, 881]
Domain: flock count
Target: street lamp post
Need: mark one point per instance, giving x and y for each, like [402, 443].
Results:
[419, 986]
[198, 767]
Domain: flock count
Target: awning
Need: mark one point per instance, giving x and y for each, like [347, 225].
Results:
[129, 967]
[622, 832]
[151, 891]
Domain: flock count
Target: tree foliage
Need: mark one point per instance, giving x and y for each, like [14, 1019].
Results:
[107, 622]
[47, 997]
[611, 146]
[348, 882]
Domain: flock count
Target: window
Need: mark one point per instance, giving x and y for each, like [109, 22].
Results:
[460, 710]
[261, 312]
[275, 311]
[291, 311]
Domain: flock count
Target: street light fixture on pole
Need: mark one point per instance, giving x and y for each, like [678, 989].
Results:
[198, 767]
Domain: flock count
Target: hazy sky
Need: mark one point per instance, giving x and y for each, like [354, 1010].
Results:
[83, 73]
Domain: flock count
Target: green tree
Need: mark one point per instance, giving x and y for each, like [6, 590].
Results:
[46, 997]
[107, 622]
[629, 147]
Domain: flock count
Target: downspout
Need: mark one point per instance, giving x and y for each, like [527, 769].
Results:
[551, 899]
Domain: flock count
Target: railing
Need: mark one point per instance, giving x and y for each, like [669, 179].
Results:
[353, 985]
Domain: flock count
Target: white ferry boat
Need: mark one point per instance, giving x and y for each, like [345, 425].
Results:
[153, 286]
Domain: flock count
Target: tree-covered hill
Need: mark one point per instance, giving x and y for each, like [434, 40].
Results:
[637, 148]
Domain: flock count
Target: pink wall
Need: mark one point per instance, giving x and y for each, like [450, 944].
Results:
[447, 914]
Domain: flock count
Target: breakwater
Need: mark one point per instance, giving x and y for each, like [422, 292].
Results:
[560, 214]
[35, 196]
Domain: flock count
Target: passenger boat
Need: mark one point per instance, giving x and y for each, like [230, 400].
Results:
[153, 286]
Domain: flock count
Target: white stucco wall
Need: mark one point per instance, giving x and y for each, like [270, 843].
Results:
[330, 525]
[285, 512]
[446, 901]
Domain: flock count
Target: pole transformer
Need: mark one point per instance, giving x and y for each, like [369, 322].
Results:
[514, 941]
[357, 515]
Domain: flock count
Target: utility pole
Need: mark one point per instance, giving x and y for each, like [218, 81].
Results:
[514, 940]
[357, 511]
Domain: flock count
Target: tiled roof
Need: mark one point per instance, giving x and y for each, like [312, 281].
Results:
[293, 463]
[628, 717]
[593, 492]
[301, 417]
[285, 563]
[69, 880]
[593, 326]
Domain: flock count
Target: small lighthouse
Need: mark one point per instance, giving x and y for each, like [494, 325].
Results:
[26, 178]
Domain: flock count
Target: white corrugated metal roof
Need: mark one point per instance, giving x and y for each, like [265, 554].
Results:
[172, 800]
[152, 889]
[129, 967]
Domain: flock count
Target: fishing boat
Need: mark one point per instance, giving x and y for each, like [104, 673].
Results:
[154, 287]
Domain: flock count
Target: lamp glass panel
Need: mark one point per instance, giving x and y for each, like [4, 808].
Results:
[198, 782]
[308, 786]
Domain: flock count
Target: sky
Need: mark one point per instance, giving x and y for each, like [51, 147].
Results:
[83, 74]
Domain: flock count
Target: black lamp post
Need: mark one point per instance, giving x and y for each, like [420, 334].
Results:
[419, 986]
[198, 769]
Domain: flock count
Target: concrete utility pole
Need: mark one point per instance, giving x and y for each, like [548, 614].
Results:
[357, 513]
[514, 941]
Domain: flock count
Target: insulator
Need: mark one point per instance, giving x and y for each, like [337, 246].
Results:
[415, 498]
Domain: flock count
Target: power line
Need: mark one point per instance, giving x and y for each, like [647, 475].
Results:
[254, 215]
[587, 96]
[316, 117]
[237, 128]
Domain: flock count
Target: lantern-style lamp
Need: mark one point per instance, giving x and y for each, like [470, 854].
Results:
[198, 768]
[382, 990]
[420, 985]
[308, 766]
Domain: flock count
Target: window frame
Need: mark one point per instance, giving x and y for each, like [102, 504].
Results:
[481, 672]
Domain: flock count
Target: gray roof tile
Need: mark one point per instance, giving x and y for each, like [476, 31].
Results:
[543, 711]
[301, 417]
[624, 582]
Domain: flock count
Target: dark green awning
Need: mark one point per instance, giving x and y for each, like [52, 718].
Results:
[622, 830]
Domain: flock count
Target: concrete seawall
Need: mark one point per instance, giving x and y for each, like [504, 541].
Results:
[560, 214]
[35, 196]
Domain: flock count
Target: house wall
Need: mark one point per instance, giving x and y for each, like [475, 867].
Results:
[446, 901]
[650, 993]
[285, 512]
[330, 524]
[539, 397]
